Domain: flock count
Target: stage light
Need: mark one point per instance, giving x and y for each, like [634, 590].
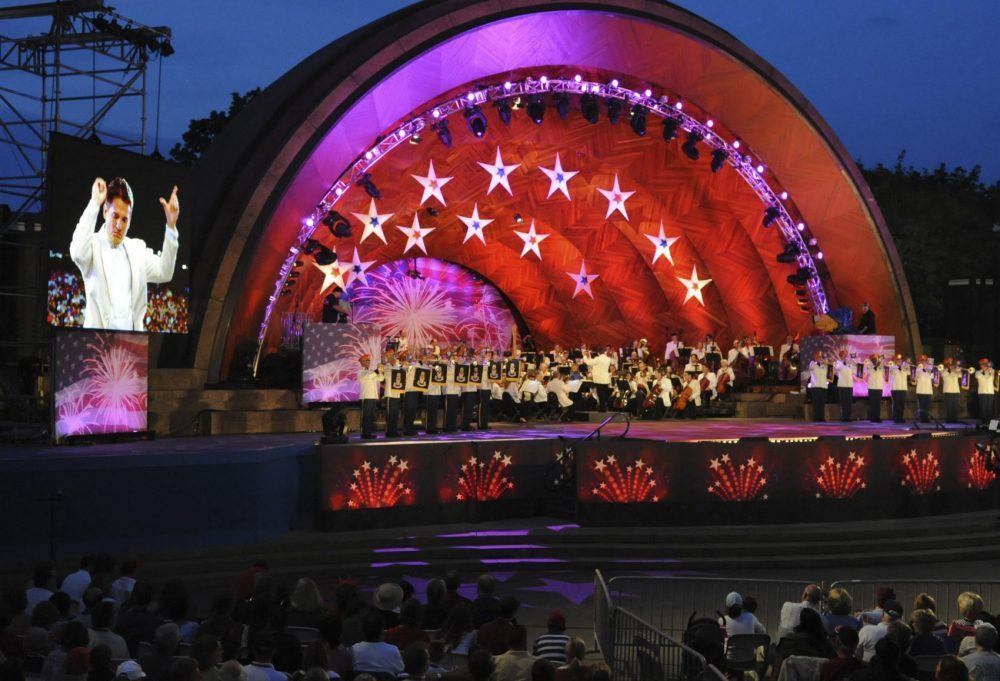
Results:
[337, 224]
[690, 146]
[443, 133]
[719, 157]
[368, 185]
[432, 211]
[819, 255]
[475, 119]
[589, 108]
[638, 120]
[801, 277]
[736, 143]
[812, 241]
[503, 111]
[614, 109]
[710, 123]
[536, 109]
[801, 227]
[784, 196]
[770, 215]
[324, 256]
[518, 218]
[788, 255]
[577, 78]
[416, 139]
[648, 92]
[562, 104]
[297, 263]
[507, 85]
[310, 222]
[679, 105]
[614, 83]
[760, 168]
[670, 126]
[166, 49]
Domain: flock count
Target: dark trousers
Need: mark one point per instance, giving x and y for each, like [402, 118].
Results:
[819, 403]
[368, 408]
[484, 409]
[952, 403]
[985, 408]
[431, 420]
[411, 404]
[846, 398]
[898, 405]
[923, 407]
[603, 396]
[392, 416]
[469, 400]
[875, 406]
[451, 413]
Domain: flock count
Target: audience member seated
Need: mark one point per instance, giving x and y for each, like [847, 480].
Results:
[736, 620]
[435, 610]
[74, 636]
[262, 666]
[221, 625]
[175, 606]
[407, 632]
[15, 601]
[287, 654]
[306, 609]
[457, 632]
[839, 606]
[495, 635]
[136, 622]
[970, 605]
[924, 601]
[415, 662]
[40, 589]
[183, 669]
[246, 581]
[156, 662]
[574, 669]
[351, 612]
[435, 659]
[452, 583]
[543, 670]
[231, 670]
[812, 595]
[75, 583]
[808, 638]
[122, 587]
[871, 634]
[77, 664]
[92, 597]
[924, 642]
[100, 631]
[845, 643]
[885, 663]
[100, 664]
[387, 599]
[515, 664]
[984, 662]
[480, 668]
[129, 670]
[552, 644]
[373, 654]
[900, 634]
[338, 656]
[486, 606]
[951, 668]
[207, 651]
[315, 657]
[874, 616]
[36, 644]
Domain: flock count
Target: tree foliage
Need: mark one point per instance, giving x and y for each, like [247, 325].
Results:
[942, 222]
[202, 132]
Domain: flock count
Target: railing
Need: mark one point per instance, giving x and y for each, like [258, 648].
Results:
[603, 614]
[642, 652]
[946, 593]
[596, 432]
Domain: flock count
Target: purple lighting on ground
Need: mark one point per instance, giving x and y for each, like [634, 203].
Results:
[412, 563]
[506, 561]
[499, 547]
[397, 549]
[560, 528]
[487, 533]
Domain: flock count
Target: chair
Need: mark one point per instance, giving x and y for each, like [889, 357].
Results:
[306, 635]
[741, 653]
[800, 668]
[143, 648]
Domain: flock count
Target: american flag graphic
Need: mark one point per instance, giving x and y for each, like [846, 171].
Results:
[330, 355]
[101, 382]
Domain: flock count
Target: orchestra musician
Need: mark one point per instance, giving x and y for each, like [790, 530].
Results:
[432, 397]
[369, 380]
[985, 377]
[672, 354]
[411, 398]
[845, 368]
[600, 368]
[485, 391]
[393, 394]
[452, 397]
[899, 376]
[951, 377]
[818, 385]
[470, 393]
[788, 367]
[687, 404]
[925, 377]
[876, 382]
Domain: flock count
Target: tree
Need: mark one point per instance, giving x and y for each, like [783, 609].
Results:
[202, 132]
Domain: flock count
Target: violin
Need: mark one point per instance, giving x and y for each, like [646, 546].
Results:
[681, 403]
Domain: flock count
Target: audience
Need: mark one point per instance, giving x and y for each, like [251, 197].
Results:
[262, 666]
[373, 654]
[75, 583]
[808, 638]
[951, 668]
[415, 661]
[552, 644]
[40, 589]
[407, 632]
[136, 622]
[839, 609]
[100, 631]
[924, 641]
[435, 609]
[738, 621]
[516, 663]
[984, 662]
[495, 635]
[306, 609]
[486, 606]
[122, 587]
[74, 637]
[156, 661]
[387, 599]
[574, 669]
[845, 642]
[812, 596]
[100, 664]
[207, 652]
[452, 583]
[924, 601]
[457, 631]
[970, 605]
[871, 634]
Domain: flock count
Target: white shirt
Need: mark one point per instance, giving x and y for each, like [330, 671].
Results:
[925, 381]
[984, 381]
[900, 378]
[369, 381]
[376, 657]
[672, 347]
[600, 368]
[542, 395]
[817, 375]
[876, 377]
[950, 381]
[74, 584]
[845, 374]
[558, 387]
[791, 612]
[121, 588]
[35, 595]
[870, 635]
[746, 623]
[116, 268]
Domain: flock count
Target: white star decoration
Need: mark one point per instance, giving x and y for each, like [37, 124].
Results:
[499, 173]
[474, 225]
[332, 274]
[531, 240]
[583, 280]
[359, 267]
[616, 199]
[415, 235]
[373, 222]
[694, 286]
[432, 185]
[558, 178]
[663, 244]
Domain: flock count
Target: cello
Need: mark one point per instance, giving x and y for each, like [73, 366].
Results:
[681, 403]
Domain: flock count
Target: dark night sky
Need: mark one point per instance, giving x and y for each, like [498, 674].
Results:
[919, 75]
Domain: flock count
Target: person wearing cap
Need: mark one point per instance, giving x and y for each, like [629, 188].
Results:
[552, 644]
[369, 381]
[984, 662]
[811, 598]
[737, 620]
[387, 599]
[951, 389]
[129, 670]
[411, 397]
[899, 377]
[818, 385]
[876, 382]
[985, 377]
[336, 310]
[871, 634]
[844, 370]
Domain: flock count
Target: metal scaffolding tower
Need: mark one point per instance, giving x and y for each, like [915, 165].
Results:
[82, 75]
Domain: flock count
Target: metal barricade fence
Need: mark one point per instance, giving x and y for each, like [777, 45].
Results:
[603, 614]
[946, 593]
[667, 603]
[643, 653]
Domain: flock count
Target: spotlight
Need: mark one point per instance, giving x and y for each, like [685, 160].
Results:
[588, 107]
[536, 109]
[166, 49]
[309, 246]
[801, 277]
[337, 224]
[690, 146]
[324, 256]
[443, 133]
[719, 157]
[503, 110]
[670, 126]
[770, 215]
[369, 186]
[638, 120]
[788, 255]
[614, 109]
[475, 119]
[416, 139]
[335, 426]
[518, 218]
[562, 104]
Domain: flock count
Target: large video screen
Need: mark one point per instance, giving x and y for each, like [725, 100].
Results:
[118, 240]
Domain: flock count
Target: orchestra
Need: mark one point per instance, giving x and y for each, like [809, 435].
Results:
[477, 386]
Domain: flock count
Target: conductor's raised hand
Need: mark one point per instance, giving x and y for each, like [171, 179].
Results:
[171, 209]
[99, 192]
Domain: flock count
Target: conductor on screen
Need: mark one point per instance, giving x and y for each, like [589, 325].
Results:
[116, 268]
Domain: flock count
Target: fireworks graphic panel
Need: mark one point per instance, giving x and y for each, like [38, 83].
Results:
[629, 482]
[921, 473]
[379, 482]
[484, 480]
[840, 478]
[979, 473]
[101, 383]
[736, 482]
[330, 364]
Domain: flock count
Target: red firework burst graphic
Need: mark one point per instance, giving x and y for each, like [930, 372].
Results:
[635, 483]
[980, 475]
[922, 473]
[841, 479]
[484, 480]
[380, 488]
[731, 482]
